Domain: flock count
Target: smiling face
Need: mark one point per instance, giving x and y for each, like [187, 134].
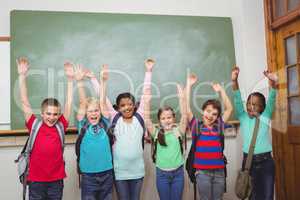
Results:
[126, 107]
[210, 115]
[167, 119]
[93, 113]
[50, 115]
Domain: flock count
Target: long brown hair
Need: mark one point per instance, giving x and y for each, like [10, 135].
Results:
[161, 136]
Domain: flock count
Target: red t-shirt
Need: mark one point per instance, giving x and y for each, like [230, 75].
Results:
[46, 160]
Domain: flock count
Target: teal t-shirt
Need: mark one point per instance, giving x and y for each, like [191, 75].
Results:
[95, 152]
[247, 124]
[170, 156]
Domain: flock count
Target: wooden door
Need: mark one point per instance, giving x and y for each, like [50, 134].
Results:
[286, 123]
[283, 52]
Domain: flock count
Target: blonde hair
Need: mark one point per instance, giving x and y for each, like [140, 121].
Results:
[92, 101]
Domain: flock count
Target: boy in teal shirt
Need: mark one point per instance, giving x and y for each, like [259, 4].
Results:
[95, 161]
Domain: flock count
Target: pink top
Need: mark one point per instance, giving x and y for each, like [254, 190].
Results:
[46, 160]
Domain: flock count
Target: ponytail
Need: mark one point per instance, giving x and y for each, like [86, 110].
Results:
[161, 137]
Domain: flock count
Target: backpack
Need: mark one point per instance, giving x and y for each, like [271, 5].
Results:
[189, 166]
[80, 137]
[24, 157]
[155, 140]
[139, 118]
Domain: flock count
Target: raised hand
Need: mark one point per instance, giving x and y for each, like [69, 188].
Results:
[88, 73]
[235, 73]
[23, 66]
[69, 71]
[79, 72]
[192, 79]
[149, 63]
[104, 74]
[216, 87]
[271, 76]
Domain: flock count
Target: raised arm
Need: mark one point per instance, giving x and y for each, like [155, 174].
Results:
[103, 86]
[149, 64]
[226, 101]
[147, 111]
[89, 74]
[79, 76]
[69, 97]
[273, 80]
[23, 67]
[238, 103]
[234, 77]
[183, 109]
[190, 81]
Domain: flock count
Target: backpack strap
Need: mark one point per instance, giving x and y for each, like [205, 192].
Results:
[60, 128]
[77, 149]
[27, 150]
[180, 138]
[139, 118]
[115, 120]
[37, 123]
[154, 145]
[191, 156]
[221, 128]
[142, 123]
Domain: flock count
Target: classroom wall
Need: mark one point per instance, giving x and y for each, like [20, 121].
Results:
[248, 26]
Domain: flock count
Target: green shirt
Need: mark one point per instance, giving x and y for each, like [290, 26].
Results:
[247, 124]
[170, 156]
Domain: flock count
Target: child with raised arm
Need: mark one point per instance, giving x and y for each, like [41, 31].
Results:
[263, 169]
[95, 158]
[208, 138]
[168, 149]
[46, 164]
[128, 127]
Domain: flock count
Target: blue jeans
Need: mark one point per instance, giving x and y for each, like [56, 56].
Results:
[46, 190]
[129, 189]
[263, 176]
[170, 184]
[97, 186]
[211, 184]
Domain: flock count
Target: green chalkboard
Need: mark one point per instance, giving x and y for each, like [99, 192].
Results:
[203, 45]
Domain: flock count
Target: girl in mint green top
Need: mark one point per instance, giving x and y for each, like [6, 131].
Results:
[168, 154]
[168, 157]
[262, 167]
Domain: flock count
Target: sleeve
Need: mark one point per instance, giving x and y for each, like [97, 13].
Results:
[65, 122]
[80, 124]
[238, 103]
[146, 86]
[193, 126]
[105, 120]
[29, 123]
[270, 103]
